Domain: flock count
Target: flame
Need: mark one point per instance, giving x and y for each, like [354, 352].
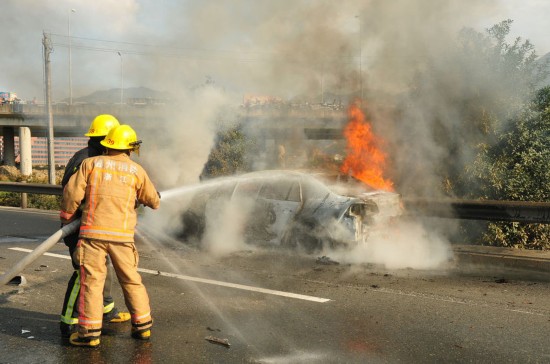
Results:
[365, 160]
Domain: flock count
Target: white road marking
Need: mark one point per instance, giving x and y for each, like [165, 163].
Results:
[207, 281]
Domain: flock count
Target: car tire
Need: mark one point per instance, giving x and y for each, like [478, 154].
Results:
[295, 238]
[193, 226]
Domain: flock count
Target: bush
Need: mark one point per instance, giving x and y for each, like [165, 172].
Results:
[43, 202]
[516, 169]
[37, 201]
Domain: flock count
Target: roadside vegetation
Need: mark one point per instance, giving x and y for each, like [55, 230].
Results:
[511, 159]
[37, 201]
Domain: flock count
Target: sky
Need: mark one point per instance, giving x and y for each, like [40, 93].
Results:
[281, 48]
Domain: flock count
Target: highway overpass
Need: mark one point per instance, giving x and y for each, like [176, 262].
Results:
[279, 123]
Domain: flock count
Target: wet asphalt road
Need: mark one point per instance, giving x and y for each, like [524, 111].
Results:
[372, 315]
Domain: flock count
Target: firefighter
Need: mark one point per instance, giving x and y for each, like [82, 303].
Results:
[99, 128]
[110, 186]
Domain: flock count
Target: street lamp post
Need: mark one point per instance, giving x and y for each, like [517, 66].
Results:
[121, 79]
[70, 61]
[360, 58]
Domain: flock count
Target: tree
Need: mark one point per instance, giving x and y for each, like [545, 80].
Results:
[228, 156]
[517, 168]
[505, 76]
[457, 104]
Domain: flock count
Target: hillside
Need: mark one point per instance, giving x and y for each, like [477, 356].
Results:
[113, 95]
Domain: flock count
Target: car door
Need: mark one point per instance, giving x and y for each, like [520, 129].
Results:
[282, 200]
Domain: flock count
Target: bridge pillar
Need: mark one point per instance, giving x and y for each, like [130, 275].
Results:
[9, 146]
[25, 155]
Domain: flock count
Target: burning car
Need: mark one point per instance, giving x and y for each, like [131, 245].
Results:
[281, 208]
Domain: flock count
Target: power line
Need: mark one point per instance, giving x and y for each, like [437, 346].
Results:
[187, 53]
[165, 47]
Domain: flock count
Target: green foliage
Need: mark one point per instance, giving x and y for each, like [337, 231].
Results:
[516, 168]
[510, 69]
[502, 77]
[462, 104]
[10, 199]
[541, 101]
[44, 202]
[38, 201]
[228, 156]
[527, 236]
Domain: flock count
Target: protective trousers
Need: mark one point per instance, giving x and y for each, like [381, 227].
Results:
[92, 256]
[69, 313]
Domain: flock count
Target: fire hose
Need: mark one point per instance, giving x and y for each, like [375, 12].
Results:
[41, 249]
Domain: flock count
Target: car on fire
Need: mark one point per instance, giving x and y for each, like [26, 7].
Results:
[283, 208]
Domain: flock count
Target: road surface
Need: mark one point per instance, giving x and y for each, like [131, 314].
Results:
[278, 307]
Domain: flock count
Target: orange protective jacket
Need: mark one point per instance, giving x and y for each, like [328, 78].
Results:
[109, 186]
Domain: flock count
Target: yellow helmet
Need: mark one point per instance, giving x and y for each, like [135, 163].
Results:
[121, 137]
[101, 125]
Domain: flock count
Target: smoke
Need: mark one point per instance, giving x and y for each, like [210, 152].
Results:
[219, 223]
[298, 51]
[426, 90]
[176, 150]
[226, 222]
[282, 48]
[399, 245]
[295, 50]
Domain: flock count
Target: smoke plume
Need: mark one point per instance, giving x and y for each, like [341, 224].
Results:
[299, 51]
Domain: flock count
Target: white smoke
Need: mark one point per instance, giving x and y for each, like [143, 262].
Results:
[226, 222]
[295, 50]
[400, 245]
[176, 150]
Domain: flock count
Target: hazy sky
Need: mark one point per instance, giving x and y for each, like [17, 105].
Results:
[245, 46]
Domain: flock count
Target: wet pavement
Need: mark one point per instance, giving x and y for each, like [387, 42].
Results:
[280, 307]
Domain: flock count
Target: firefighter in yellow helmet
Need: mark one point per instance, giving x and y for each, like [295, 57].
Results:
[109, 185]
[99, 128]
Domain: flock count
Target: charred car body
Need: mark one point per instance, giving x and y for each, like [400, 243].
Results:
[282, 208]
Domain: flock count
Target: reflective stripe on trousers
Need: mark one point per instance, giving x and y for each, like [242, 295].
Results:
[124, 257]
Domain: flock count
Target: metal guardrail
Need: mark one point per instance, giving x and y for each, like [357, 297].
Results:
[36, 188]
[490, 210]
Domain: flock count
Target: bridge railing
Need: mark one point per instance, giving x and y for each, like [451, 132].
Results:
[64, 109]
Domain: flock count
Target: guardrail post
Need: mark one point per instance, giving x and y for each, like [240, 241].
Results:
[24, 200]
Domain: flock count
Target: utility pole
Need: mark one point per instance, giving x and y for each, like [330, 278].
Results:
[121, 80]
[360, 57]
[46, 41]
[70, 60]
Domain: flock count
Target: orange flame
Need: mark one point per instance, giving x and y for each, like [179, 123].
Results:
[365, 160]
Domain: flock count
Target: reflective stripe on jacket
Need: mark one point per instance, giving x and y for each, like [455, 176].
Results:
[109, 186]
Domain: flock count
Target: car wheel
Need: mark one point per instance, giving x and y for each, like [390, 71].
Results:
[193, 226]
[297, 238]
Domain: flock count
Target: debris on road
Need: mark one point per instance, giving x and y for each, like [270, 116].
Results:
[18, 281]
[219, 341]
[326, 261]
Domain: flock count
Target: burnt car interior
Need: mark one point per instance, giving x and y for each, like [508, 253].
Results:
[289, 209]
